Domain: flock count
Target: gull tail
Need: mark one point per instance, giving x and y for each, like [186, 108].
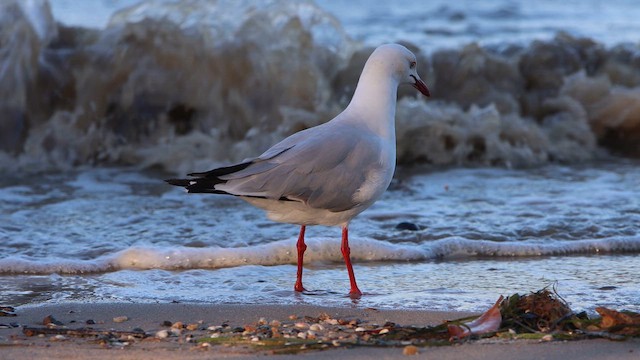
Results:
[205, 182]
[198, 185]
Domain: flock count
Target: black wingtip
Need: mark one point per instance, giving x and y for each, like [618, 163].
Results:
[178, 182]
[222, 170]
[205, 182]
[198, 185]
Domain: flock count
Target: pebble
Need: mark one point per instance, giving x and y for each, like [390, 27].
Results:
[167, 323]
[332, 335]
[275, 323]
[162, 334]
[177, 325]
[90, 322]
[302, 325]
[214, 328]
[360, 329]
[331, 321]
[59, 338]
[50, 320]
[547, 337]
[316, 327]
[120, 319]
[383, 331]
[410, 350]
[407, 226]
[302, 335]
[192, 327]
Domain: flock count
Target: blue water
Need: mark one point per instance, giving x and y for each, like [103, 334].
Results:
[439, 23]
[122, 235]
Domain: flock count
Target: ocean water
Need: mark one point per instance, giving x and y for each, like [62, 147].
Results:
[437, 23]
[113, 234]
[521, 172]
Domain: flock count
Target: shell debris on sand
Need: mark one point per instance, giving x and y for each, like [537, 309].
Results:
[50, 321]
[308, 333]
[120, 319]
[410, 350]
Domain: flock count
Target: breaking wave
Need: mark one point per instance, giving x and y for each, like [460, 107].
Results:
[319, 250]
[183, 86]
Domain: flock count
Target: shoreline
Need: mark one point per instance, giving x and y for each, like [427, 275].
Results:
[150, 318]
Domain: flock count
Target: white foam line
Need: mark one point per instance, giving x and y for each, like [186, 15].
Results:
[319, 249]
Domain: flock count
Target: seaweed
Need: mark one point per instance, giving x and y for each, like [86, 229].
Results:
[541, 311]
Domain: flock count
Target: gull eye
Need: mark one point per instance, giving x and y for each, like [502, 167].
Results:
[412, 65]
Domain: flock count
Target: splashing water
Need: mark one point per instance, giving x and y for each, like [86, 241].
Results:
[116, 234]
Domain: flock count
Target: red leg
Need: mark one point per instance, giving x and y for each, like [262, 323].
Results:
[346, 253]
[301, 248]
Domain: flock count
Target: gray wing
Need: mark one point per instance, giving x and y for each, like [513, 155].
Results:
[323, 168]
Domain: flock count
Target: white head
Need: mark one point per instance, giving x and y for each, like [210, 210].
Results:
[400, 62]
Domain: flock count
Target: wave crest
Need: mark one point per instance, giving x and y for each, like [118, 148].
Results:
[319, 250]
[186, 84]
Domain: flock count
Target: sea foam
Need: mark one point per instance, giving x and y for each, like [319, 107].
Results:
[186, 85]
[319, 250]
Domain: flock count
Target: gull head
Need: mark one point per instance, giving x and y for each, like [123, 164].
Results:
[401, 63]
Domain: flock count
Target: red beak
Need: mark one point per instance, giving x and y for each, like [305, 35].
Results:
[421, 86]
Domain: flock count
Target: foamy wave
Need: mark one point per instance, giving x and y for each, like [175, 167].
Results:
[319, 250]
[186, 84]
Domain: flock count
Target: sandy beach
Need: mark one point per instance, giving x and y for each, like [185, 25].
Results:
[199, 319]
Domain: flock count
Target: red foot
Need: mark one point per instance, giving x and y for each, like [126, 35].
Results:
[301, 246]
[354, 293]
[298, 287]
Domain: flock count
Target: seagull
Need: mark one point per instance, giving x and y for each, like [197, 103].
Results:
[327, 174]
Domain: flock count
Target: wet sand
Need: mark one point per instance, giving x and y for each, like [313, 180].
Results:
[150, 318]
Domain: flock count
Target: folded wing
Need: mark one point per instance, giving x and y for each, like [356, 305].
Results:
[323, 169]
